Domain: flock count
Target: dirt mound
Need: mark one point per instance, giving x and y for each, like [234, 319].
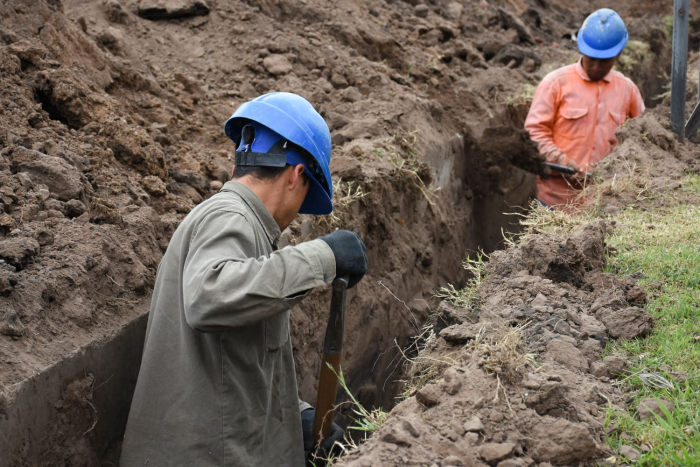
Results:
[648, 159]
[522, 379]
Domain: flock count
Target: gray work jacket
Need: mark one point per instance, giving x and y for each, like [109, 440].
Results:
[217, 385]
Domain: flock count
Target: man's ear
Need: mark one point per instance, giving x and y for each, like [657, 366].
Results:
[233, 169]
[297, 176]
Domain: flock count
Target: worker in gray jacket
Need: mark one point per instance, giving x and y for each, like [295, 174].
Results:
[217, 385]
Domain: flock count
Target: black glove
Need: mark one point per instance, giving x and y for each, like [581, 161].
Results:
[327, 445]
[350, 255]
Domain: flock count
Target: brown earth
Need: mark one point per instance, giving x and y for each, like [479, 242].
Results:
[519, 380]
[493, 404]
[111, 131]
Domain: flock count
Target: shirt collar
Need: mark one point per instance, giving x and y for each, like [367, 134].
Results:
[584, 76]
[272, 230]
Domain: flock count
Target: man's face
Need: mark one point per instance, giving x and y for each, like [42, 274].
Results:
[597, 68]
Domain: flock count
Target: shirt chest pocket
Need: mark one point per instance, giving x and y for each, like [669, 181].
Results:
[572, 122]
[276, 331]
[617, 117]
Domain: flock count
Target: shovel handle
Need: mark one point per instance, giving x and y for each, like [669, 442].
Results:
[332, 351]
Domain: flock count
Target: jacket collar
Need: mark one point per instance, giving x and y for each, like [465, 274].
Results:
[584, 76]
[272, 230]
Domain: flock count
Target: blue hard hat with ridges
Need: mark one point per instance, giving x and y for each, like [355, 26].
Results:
[603, 35]
[292, 118]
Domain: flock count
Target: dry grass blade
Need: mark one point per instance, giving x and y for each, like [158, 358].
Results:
[344, 195]
[631, 182]
[541, 219]
[655, 381]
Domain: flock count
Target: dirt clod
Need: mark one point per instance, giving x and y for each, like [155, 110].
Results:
[562, 442]
[62, 179]
[627, 323]
[493, 453]
[460, 334]
[18, 251]
[429, 395]
[615, 364]
[629, 452]
[650, 406]
[474, 424]
[566, 354]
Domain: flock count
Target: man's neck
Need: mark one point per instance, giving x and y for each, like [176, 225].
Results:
[270, 194]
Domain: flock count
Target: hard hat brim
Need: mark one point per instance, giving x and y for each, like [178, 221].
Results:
[317, 201]
[589, 51]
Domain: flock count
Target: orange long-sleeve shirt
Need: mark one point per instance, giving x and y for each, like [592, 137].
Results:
[572, 117]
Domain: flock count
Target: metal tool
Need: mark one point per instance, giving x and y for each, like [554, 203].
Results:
[332, 351]
[565, 169]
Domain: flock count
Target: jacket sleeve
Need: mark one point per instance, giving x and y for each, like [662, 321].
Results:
[637, 107]
[223, 287]
[540, 121]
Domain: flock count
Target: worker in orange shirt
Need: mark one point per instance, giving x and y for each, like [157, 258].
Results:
[577, 109]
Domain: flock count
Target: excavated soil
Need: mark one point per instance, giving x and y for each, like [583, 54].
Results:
[111, 116]
[519, 380]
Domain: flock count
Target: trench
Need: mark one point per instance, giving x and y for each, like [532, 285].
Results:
[375, 380]
[374, 361]
[77, 409]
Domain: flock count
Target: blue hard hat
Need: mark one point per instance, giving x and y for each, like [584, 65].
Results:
[291, 117]
[603, 35]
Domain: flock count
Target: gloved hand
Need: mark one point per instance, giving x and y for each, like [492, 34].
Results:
[326, 449]
[350, 255]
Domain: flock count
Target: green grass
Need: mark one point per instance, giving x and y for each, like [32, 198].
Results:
[635, 53]
[522, 97]
[663, 245]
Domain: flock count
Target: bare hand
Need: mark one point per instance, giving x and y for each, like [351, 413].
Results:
[580, 172]
[572, 163]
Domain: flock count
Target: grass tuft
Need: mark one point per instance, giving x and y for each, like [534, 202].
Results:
[504, 350]
[523, 97]
[468, 296]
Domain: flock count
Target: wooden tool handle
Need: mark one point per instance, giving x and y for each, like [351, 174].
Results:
[328, 387]
[332, 351]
